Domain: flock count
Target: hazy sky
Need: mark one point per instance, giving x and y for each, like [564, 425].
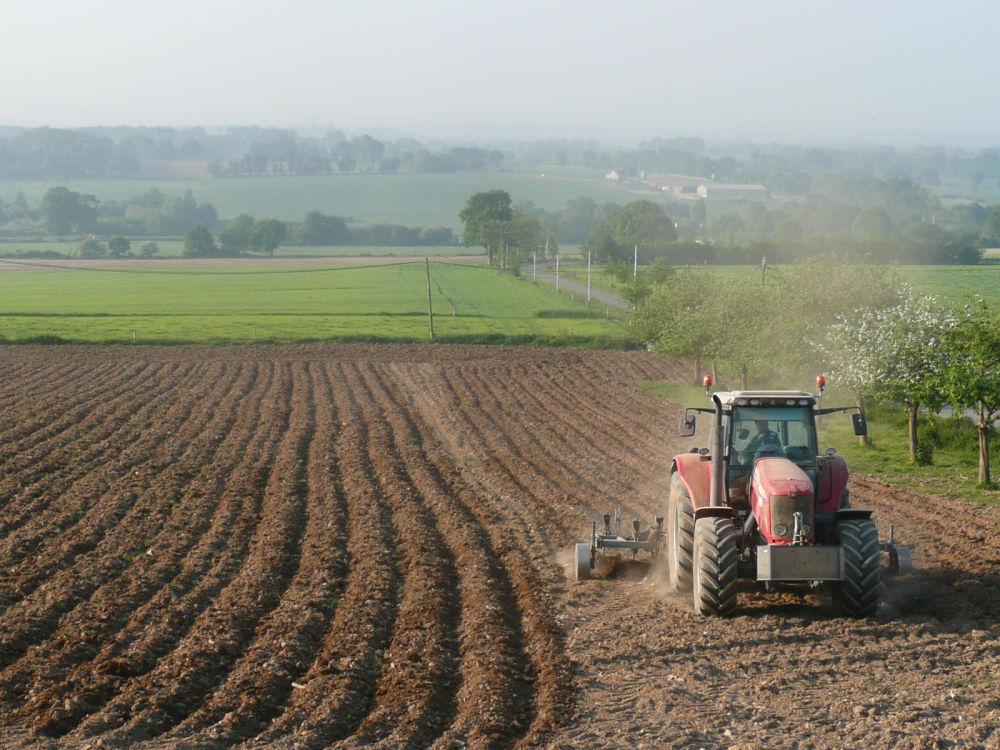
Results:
[880, 70]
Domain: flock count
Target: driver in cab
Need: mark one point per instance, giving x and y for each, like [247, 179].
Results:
[766, 439]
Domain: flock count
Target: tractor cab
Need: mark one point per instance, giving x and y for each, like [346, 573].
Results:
[766, 424]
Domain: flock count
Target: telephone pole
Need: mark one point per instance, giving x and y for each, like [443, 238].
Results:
[588, 278]
[430, 305]
[557, 272]
[635, 264]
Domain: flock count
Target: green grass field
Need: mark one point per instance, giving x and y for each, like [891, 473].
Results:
[238, 303]
[953, 473]
[411, 199]
[951, 283]
[175, 249]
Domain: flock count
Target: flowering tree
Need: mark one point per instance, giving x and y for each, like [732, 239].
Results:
[896, 353]
[971, 379]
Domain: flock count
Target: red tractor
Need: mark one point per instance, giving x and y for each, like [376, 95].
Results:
[761, 504]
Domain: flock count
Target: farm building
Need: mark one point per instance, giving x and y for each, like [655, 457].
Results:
[732, 192]
[613, 176]
[677, 184]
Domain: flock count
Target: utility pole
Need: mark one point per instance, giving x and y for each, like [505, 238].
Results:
[635, 265]
[588, 278]
[430, 306]
[534, 263]
[557, 272]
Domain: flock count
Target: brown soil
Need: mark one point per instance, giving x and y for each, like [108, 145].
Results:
[352, 546]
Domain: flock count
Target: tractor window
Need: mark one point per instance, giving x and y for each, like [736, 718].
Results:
[759, 432]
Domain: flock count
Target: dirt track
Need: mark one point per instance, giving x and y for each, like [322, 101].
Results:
[351, 546]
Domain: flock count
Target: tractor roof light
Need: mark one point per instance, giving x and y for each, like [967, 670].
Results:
[707, 382]
[821, 383]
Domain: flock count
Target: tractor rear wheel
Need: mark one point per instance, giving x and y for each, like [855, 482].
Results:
[859, 592]
[716, 566]
[680, 536]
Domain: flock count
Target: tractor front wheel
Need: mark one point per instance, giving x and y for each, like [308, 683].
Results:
[860, 590]
[716, 566]
[680, 537]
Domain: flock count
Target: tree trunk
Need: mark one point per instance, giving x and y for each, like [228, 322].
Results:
[715, 374]
[489, 255]
[862, 439]
[912, 409]
[984, 447]
[697, 370]
[743, 377]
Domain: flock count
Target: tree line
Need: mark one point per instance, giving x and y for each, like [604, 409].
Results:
[857, 321]
[117, 152]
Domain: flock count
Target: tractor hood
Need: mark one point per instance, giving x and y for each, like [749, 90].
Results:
[780, 490]
[779, 476]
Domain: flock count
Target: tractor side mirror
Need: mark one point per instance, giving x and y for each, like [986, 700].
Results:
[860, 424]
[687, 425]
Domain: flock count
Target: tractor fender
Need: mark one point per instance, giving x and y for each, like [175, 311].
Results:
[846, 514]
[832, 483]
[710, 511]
[696, 474]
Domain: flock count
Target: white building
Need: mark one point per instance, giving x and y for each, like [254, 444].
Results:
[732, 192]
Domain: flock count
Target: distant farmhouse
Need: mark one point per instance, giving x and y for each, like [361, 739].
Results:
[677, 184]
[720, 191]
[613, 176]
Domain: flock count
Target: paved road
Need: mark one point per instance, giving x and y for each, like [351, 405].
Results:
[597, 296]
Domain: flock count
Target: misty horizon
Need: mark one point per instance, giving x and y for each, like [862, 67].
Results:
[900, 74]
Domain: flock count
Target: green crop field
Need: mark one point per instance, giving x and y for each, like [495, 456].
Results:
[951, 283]
[411, 199]
[174, 248]
[240, 302]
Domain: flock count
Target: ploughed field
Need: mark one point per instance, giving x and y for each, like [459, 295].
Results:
[352, 546]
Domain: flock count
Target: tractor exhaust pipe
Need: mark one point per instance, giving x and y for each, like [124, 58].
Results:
[718, 447]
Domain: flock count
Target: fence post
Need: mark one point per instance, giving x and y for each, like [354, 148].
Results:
[430, 304]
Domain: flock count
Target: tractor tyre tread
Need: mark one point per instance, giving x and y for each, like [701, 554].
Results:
[716, 557]
[682, 515]
[858, 594]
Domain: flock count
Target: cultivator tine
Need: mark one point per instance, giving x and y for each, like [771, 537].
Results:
[900, 558]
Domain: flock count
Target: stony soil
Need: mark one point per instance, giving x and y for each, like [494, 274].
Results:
[353, 546]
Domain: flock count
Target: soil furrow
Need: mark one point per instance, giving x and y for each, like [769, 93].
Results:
[101, 498]
[511, 531]
[180, 682]
[155, 628]
[41, 470]
[496, 702]
[415, 696]
[261, 681]
[121, 526]
[83, 631]
[336, 692]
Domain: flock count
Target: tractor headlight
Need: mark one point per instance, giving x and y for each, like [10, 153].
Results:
[780, 529]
